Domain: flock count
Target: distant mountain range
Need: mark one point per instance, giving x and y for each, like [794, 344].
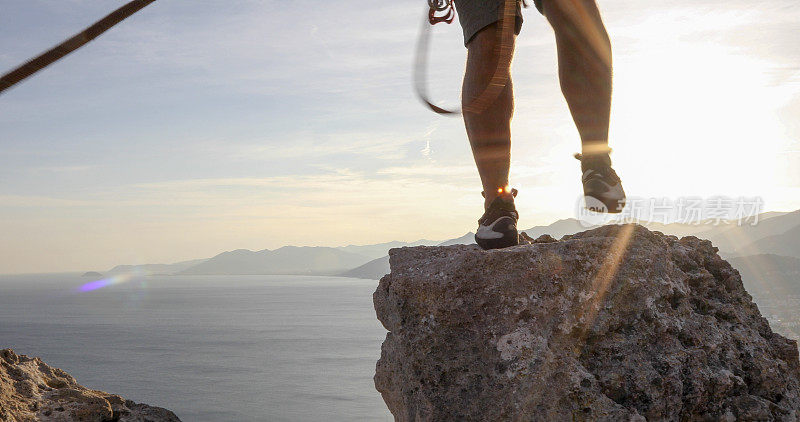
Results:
[773, 244]
[769, 275]
[313, 260]
[787, 243]
[379, 250]
[374, 269]
[735, 238]
[153, 269]
[285, 260]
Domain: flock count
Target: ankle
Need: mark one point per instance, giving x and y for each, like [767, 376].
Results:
[505, 194]
[594, 160]
[595, 148]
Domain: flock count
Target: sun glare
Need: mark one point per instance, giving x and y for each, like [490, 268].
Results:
[694, 110]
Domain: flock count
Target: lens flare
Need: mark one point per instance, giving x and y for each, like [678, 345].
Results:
[608, 270]
[109, 281]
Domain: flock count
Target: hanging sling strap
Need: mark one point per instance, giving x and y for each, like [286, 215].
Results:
[54, 54]
[442, 11]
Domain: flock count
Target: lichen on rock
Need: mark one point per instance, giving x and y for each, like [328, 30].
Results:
[615, 323]
[31, 390]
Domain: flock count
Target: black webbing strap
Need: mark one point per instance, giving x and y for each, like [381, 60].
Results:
[77, 41]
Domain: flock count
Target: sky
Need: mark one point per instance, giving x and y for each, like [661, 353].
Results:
[199, 127]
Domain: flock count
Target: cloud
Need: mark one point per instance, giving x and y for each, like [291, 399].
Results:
[23, 201]
[64, 169]
[306, 145]
[430, 171]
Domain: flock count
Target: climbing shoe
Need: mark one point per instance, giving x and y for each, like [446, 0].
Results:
[602, 188]
[497, 228]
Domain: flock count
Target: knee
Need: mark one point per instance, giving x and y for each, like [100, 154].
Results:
[575, 18]
[560, 13]
[484, 41]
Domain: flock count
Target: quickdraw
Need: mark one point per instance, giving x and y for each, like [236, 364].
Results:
[443, 11]
[440, 11]
[52, 55]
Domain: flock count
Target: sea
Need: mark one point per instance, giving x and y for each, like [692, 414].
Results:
[209, 348]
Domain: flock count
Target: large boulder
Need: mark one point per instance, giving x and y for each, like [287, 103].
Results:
[30, 390]
[615, 323]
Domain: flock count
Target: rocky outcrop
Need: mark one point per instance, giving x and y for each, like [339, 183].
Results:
[30, 390]
[615, 323]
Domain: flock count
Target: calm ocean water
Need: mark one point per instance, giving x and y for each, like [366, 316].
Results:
[209, 348]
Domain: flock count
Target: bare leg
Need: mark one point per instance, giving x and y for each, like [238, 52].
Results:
[584, 68]
[489, 132]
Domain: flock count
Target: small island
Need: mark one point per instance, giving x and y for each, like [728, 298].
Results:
[93, 274]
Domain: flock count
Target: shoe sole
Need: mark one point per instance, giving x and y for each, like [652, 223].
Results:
[604, 205]
[509, 237]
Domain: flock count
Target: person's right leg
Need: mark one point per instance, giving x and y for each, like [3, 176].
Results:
[584, 68]
[585, 72]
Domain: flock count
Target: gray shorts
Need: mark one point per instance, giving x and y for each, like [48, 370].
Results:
[475, 15]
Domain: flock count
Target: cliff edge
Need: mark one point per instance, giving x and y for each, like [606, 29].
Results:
[30, 390]
[615, 323]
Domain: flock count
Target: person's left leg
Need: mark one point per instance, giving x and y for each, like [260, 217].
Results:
[490, 28]
[489, 130]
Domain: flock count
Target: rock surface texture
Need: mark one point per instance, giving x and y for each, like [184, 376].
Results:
[30, 390]
[617, 324]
